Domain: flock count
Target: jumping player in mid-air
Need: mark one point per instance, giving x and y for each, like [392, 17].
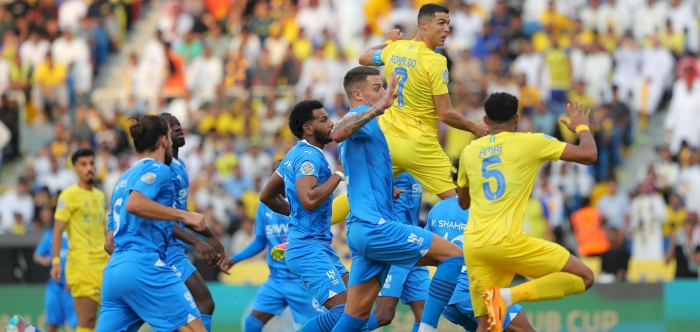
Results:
[410, 125]
[282, 288]
[137, 280]
[447, 219]
[306, 179]
[375, 240]
[409, 285]
[497, 173]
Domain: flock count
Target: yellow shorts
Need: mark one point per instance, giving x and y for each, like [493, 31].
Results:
[425, 160]
[85, 281]
[497, 264]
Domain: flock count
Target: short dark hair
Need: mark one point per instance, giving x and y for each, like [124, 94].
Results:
[168, 117]
[429, 10]
[454, 172]
[501, 107]
[81, 153]
[358, 75]
[302, 113]
[146, 131]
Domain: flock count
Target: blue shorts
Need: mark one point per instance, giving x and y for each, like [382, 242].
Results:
[407, 285]
[318, 266]
[58, 305]
[462, 314]
[277, 293]
[135, 292]
[376, 247]
[182, 264]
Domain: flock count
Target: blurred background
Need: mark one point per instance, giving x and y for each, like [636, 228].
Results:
[73, 71]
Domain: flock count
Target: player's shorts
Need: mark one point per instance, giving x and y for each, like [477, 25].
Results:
[318, 266]
[376, 247]
[407, 285]
[278, 293]
[58, 305]
[497, 264]
[182, 264]
[135, 293]
[85, 280]
[424, 159]
[462, 314]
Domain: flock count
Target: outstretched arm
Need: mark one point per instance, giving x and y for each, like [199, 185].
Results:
[586, 151]
[448, 115]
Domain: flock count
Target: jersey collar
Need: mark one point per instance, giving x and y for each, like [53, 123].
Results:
[313, 146]
[146, 159]
[177, 162]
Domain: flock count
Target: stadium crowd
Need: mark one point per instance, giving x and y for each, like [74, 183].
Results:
[230, 71]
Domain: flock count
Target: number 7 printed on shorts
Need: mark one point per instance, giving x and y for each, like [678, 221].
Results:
[402, 81]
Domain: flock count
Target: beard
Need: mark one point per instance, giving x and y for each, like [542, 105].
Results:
[323, 138]
[90, 181]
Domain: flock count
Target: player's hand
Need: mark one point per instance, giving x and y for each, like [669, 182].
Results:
[394, 34]
[194, 220]
[56, 273]
[389, 95]
[208, 253]
[398, 192]
[481, 130]
[220, 251]
[577, 115]
[227, 264]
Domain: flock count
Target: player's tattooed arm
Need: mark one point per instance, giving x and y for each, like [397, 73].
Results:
[352, 122]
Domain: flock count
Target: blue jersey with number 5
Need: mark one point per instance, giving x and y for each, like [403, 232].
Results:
[137, 239]
[448, 220]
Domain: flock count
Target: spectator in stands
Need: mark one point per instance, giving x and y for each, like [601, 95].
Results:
[237, 183]
[615, 261]
[685, 250]
[676, 214]
[614, 207]
[590, 233]
[681, 124]
[535, 223]
[17, 205]
[50, 84]
[243, 237]
[254, 161]
[33, 51]
[657, 71]
[647, 215]
[204, 75]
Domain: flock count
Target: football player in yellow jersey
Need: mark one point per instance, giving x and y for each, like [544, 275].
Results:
[410, 125]
[81, 213]
[497, 172]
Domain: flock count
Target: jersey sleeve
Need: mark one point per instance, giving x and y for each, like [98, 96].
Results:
[44, 247]
[439, 75]
[307, 164]
[260, 220]
[381, 56]
[152, 181]
[63, 212]
[546, 147]
[462, 178]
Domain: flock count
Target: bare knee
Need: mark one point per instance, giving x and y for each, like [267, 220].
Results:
[384, 315]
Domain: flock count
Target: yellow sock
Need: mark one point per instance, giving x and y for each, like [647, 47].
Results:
[550, 287]
[341, 208]
[83, 329]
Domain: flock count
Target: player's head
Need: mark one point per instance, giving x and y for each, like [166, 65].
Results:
[84, 165]
[434, 23]
[363, 86]
[151, 134]
[176, 131]
[308, 120]
[501, 111]
[454, 172]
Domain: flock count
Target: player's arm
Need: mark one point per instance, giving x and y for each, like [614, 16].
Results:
[271, 195]
[208, 253]
[586, 151]
[464, 199]
[255, 247]
[353, 122]
[448, 115]
[311, 194]
[42, 254]
[373, 55]
[143, 207]
[109, 242]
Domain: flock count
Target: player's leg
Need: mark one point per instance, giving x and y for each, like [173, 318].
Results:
[301, 302]
[53, 308]
[19, 324]
[427, 162]
[86, 310]
[388, 298]
[516, 321]
[115, 315]
[86, 286]
[363, 287]
[202, 296]
[319, 267]
[68, 309]
[269, 302]
[415, 292]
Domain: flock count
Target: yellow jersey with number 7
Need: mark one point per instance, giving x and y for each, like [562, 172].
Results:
[422, 75]
[500, 172]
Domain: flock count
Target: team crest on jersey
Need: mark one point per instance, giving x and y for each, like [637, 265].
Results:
[307, 168]
[61, 204]
[149, 178]
[445, 76]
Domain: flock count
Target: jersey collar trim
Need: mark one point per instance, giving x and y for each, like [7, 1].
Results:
[177, 162]
[145, 159]
[313, 146]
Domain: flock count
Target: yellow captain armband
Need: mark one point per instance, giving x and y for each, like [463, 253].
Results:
[56, 261]
[341, 209]
[581, 128]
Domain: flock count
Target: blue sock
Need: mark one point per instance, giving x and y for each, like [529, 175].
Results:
[441, 288]
[415, 327]
[206, 321]
[325, 322]
[253, 324]
[350, 324]
[372, 323]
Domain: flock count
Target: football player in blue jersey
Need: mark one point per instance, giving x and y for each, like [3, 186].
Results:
[448, 220]
[137, 281]
[409, 285]
[376, 241]
[58, 302]
[306, 179]
[212, 252]
[282, 288]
